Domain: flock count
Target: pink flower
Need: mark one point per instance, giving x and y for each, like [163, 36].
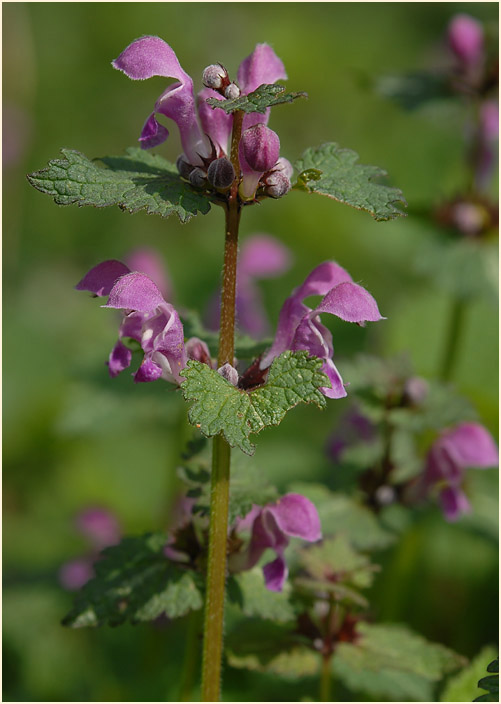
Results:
[205, 131]
[466, 445]
[271, 526]
[299, 327]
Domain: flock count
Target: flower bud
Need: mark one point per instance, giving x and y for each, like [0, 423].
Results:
[221, 173]
[232, 91]
[284, 166]
[184, 167]
[277, 184]
[215, 76]
[466, 39]
[229, 373]
[260, 147]
[198, 177]
[197, 349]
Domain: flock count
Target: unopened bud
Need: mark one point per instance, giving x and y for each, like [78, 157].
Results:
[466, 39]
[277, 184]
[260, 147]
[221, 173]
[197, 349]
[215, 76]
[198, 177]
[229, 373]
[415, 390]
[184, 167]
[284, 166]
[232, 91]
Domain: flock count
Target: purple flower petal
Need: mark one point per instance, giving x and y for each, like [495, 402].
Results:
[75, 573]
[471, 445]
[99, 526]
[275, 574]
[148, 371]
[215, 122]
[135, 291]
[350, 302]
[297, 517]
[119, 359]
[101, 278]
[153, 133]
[466, 39]
[454, 503]
[147, 57]
[262, 66]
[337, 389]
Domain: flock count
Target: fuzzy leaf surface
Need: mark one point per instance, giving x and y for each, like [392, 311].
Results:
[136, 181]
[134, 582]
[220, 407]
[392, 661]
[264, 97]
[346, 181]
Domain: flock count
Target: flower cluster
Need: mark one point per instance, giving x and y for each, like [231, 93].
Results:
[205, 132]
[271, 526]
[299, 327]
[148, 319]
[455, 450]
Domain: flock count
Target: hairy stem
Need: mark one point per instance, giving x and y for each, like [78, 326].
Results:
[456, 323]
[220, 480]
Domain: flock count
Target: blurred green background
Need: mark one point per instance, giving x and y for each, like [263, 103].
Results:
[74, 438]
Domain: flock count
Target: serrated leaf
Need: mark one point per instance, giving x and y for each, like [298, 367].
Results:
[134, 582]
[266, 96]
[219, 407]
[463, 687]
[257, 600]
[346, 181]
[136, 181]
[340, 514]
[264, 646]
[336, 560]
[390, 660]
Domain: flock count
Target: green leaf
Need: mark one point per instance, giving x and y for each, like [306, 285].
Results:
[135, 582]
[248, 485]
[348, 182]
[490, 684]
[463, 687]
[136, 181]
[266, 96]
[220, 407]
[340, 514]
[264, 646]
[257, 600]
[392, 661]
[336, 562]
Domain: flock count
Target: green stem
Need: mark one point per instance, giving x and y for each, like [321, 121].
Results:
[325, 679]
[221, 452]
[456, 324]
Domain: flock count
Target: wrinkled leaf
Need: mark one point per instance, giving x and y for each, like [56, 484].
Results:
[346, 181]
[259, 100]
[136, 181]
[220, 407]
[134, 582]
[392, 661]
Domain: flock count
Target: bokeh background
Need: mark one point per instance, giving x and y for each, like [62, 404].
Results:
[73, 438]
